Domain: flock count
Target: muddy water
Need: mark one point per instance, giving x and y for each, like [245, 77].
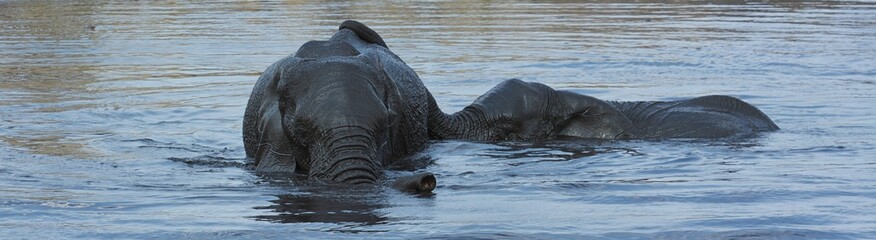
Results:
[121, 119]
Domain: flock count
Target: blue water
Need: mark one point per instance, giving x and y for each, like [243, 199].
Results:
[121, 119]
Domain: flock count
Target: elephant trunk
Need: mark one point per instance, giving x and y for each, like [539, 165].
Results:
[460, 125]
[418, 183]
[346, 155]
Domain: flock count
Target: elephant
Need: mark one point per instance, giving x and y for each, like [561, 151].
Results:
[340, 110]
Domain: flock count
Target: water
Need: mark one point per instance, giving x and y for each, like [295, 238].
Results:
[121, 119]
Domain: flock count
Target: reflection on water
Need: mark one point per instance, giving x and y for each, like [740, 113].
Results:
[326, 205]
[307, 208]
[121, 119]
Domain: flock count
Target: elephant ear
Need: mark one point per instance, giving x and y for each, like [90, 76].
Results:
[364, 32]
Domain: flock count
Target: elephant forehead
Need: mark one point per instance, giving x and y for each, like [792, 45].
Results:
[323, 49]
[336, 68]
[332, 78]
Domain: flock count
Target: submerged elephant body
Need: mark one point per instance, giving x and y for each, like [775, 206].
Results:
[340, 110]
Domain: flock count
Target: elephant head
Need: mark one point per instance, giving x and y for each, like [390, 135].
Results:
[338, 113]
[333, 110]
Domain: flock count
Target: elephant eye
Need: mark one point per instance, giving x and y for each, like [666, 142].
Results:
[385, 134]
[391, 116]
[287, 105]
[388, 90]
[299, 127]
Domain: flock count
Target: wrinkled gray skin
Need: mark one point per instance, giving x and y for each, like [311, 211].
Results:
[340, 110]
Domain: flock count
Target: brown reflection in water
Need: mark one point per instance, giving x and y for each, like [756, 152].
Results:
[46, 63]
[46, 45]
[48, 20]
[49, 145]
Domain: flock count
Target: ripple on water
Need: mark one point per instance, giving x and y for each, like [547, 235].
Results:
[122, 120]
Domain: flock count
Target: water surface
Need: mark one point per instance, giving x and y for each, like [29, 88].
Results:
[121, 119]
